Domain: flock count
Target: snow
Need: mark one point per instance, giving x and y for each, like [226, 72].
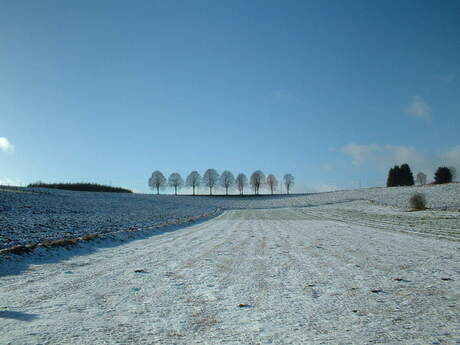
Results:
[331, 268]
[27, 217]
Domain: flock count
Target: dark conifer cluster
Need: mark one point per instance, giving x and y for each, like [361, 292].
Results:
[82, 187]
[400, 176]
[443, 175]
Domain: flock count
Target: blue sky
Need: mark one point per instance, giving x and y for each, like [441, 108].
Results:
[334, 92]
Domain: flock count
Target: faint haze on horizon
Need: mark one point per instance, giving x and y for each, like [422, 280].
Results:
[334, 92]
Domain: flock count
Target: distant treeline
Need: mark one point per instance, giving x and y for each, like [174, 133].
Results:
[82, 187]
[212, 179]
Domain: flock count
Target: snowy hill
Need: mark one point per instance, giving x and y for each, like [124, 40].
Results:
[36, 215]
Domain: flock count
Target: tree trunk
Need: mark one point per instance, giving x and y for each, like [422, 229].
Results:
[158, 190]
[175, 190]
[226, 190]
[193, 189]
[210, 190]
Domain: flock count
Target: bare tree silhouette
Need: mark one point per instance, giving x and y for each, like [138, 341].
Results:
[272, 183]
[193, 180]
[288, 182]
[257, 179]
[157, 181]
[210, 179]
[175, 181]
[227, 180]
[241, 182]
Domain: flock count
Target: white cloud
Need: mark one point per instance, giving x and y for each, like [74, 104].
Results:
[383, 155]
[359, 153]
[419, 108]
[386, 156]
[5, 145]
[452, 157]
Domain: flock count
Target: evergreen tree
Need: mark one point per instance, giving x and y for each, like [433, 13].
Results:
[407, 178]
[443, 175]
[397, 176]
[391, 178]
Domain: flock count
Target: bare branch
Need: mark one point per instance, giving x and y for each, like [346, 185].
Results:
[288, 182]
[157, 181]
[241, 182]
[193, 180]
[175, 181]
[210, 179]
[257, 179]
[227, 180]
[272, 183]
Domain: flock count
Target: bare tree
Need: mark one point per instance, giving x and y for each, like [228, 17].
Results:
[272, 183]
[257, 179]
[453, 172]
[193, 180]
[241, 182]
[176, 181]
[288, 182]
[210, 179]
[227, 180]
[421, 178]
[157, 181]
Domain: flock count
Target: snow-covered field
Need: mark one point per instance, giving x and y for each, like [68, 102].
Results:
[27, 217]
[357, 268]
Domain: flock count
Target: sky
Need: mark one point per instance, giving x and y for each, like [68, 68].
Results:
[333, 92]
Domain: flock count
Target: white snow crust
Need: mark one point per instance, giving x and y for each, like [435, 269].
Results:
[349, 267]
[27, 217]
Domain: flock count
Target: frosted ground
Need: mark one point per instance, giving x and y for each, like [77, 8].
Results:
[32, 217]
[349, 267]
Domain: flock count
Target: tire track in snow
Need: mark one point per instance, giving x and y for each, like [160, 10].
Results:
[302, 279]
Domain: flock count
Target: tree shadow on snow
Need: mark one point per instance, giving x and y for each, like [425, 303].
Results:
[17, 315]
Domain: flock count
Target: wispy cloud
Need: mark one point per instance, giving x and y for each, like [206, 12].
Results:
[450, 77]
[452, 156]
[283, 95]
[5, 145]
[327, 167]
[419, 108]
[385, 156]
